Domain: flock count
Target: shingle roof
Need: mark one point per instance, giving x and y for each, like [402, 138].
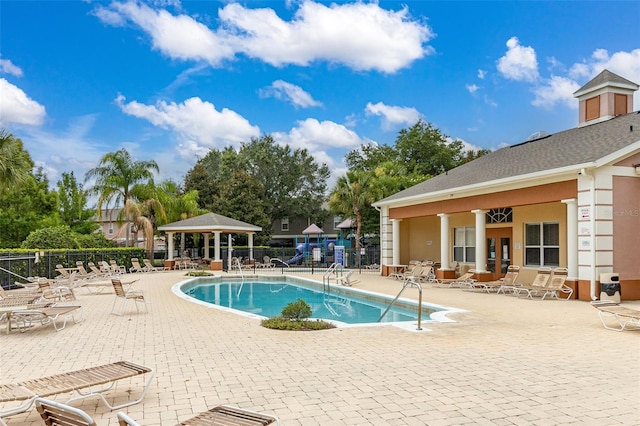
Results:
[211, 222]
[564, 149]
[605, 77]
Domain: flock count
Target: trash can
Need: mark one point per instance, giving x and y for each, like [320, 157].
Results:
[610, 287]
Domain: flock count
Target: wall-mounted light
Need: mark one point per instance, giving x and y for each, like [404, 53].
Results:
[637, 167]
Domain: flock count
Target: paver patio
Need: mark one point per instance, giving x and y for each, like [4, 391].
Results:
[505, 361]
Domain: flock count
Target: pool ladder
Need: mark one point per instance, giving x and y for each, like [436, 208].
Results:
[239, 265]
[407, 283]
[326, 277]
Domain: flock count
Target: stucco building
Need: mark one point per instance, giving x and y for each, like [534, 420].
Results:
[569, 199]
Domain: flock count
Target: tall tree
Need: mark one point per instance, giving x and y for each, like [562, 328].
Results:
[72, 205]
[15, 162]
[116, 180]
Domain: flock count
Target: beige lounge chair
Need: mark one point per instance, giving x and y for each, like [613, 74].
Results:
[83, 273]
[136, 267]
[24, 319]
[123, 295]
[150, 268]
[117, 269]
[557, 285]
[82, 384]
[509, 280]
[537, 287]
[226, 415]
[464, 280]
[625, 318]
[412, 271]
[57, 414]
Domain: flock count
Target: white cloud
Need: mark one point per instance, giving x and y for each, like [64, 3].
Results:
[362, 36]
[489, 101]
[393, 115]
[16, 107]
[481, 74]
[8, 67]
[519, 63]
[556, 90]
[197, 123]
[472, 88]
[317, 136]
[289, 92]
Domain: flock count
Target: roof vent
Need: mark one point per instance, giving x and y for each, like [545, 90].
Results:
[538, 135]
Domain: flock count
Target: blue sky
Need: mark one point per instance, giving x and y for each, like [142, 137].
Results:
[169, 80]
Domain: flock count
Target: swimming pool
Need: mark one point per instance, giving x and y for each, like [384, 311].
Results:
[265, 296]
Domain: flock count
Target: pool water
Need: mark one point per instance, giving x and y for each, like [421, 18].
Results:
[268, 298]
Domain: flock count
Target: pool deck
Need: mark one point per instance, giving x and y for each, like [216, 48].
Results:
[504, 361]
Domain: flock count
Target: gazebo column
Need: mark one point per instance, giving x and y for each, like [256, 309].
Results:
[170, 245]
[250, 238]
[216, 245]
[395, 236]
[206, 245]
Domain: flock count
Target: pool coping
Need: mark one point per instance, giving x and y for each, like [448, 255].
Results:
[439, 316]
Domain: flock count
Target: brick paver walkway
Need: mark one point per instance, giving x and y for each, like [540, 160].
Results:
[505, 361]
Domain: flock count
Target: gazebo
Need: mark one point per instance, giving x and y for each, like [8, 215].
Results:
[207, 224]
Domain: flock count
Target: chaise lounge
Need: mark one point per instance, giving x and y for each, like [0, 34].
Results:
[625, 318]
[82, 384]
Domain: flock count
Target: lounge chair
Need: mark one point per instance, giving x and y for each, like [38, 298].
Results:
[535, 288]
[117, 269]
[557, 285]
[136, 267]
[83, 273]
[123, 295]
[412, 271]
[57, 414]
[508, 281]
[99, 272]
[464, 280]
[625, 318]
[150, 268]
[228, 415]
[24, 319]
[346, 279]
[82, 384]
[125, 420]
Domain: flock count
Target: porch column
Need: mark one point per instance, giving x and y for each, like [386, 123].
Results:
[572, 237]
[216, 245]
[206, 245]
[250, 238]
[170, 245]
[386, 250]
[445, 262]
[395, 238]
[481, 240]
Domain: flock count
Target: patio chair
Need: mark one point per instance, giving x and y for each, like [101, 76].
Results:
[123, 295]
[557, 285]
[267, 263]
[56, 414]
[149, 266]
[125, 420]
[83, 273]
[535, 288]
[99, 272]
[509, 280]
[624, 318]
[463, 280]
[346, 279]
[117, 269]
[228, 415]
[24, 319]
[136, 267]
[408, 271]
[87, 383]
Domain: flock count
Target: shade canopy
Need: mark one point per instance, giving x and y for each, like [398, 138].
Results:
[210, 222]
[312, 229]
[347, 224]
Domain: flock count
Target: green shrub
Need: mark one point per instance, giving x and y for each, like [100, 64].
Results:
[297, 310]
[52, 238]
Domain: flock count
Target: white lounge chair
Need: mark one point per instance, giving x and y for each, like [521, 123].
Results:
[623, 317]
[346, 279]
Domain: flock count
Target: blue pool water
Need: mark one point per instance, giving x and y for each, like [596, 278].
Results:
[268, 298]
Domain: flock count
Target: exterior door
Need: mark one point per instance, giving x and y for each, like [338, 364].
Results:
[498, 251]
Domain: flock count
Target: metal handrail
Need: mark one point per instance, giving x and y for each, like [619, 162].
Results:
[326, 277]
[407, 283]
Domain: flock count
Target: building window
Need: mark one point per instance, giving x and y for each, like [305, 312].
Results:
[504, 215]
[337, 220]
[542, 244]
[592, 108]
[284, 224]
[464, 244]
[110, 232]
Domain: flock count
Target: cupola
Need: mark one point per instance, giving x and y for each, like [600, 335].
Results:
[604, 97]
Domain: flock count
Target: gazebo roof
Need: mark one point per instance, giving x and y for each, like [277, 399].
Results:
[210, 222]
[347, 224]
[312, 229]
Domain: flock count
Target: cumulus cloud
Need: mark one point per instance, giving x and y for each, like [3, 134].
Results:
[556, 90]
[8, 67]
[362, 36]
[519, 63]
[197, 123]
[18, 108]
[282, 90]
[393, 115]
[317, 136]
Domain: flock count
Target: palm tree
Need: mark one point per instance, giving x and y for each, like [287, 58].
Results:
[117, 178]
[350, 197]
[15, 162]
